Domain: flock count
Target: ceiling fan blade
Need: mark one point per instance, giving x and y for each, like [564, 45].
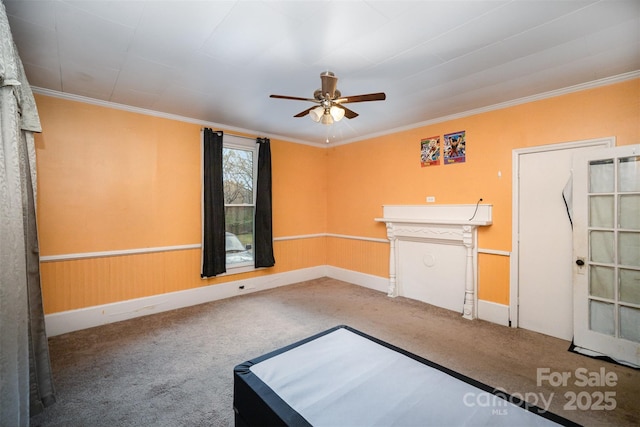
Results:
[329, 83]
[295, 98]
[380, 96]
[349, 114]
[305, 112]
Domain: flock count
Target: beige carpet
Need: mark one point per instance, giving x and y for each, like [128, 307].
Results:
[176, 368]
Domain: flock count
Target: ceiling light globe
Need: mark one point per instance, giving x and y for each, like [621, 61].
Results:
[337, 113]
[327, 119]
[316, 114]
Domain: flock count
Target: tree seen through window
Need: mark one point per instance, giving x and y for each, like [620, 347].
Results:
[238, 183]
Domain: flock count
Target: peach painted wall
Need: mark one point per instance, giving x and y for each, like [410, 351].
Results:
[116, 180]
[365, 175]
[299, 189]
[113, 180]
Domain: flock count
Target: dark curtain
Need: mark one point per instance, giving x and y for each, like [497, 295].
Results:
[263, 249]
[213, 233]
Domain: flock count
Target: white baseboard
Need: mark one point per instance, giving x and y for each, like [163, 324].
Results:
[376, 283]
[493, 312]
[75, 320]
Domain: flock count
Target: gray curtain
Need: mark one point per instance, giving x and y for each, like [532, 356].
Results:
[26, 384]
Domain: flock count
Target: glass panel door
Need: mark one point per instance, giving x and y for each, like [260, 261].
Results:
[607, 253]
[614, 242]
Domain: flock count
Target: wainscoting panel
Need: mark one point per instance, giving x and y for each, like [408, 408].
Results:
[86, 281]
[78, 283]
[360, 255]
[82, 290]
[74, 320]
[297, 253]
[493, 277]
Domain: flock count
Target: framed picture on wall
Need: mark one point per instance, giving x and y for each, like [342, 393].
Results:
[430, 151]
[455, 146]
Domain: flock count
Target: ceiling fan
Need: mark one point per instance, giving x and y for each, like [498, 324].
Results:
[331, 102]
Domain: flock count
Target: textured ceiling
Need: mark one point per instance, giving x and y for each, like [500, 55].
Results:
[217, 62]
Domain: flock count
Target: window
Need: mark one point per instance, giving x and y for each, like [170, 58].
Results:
[237, 234]
[239, 172]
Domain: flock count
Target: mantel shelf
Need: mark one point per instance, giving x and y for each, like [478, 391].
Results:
[435, 221]
[480, 214]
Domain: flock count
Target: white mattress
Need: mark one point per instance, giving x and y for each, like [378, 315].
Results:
[344, 379]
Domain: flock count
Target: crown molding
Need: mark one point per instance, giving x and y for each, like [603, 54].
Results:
[538, 97]
[160, 114]
[545, 95]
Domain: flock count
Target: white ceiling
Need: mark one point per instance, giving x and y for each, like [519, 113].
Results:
[217, 62]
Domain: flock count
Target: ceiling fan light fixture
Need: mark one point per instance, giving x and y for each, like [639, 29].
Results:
[330, 100]
[327, 119]
[337, 113]
[316, 114]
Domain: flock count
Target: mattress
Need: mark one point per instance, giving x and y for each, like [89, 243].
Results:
[344, 377]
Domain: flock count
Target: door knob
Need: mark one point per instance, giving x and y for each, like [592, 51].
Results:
[580, 262]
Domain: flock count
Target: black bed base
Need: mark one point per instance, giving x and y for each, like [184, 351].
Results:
[257, 404]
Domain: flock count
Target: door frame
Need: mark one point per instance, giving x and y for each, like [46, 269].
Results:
[514, 285]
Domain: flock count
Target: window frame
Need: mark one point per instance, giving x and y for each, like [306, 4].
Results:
[246, 144]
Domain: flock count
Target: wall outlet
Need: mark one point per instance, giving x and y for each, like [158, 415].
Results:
[431, 199]
[242, 287]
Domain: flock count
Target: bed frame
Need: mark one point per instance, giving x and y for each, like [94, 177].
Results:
[344, 377]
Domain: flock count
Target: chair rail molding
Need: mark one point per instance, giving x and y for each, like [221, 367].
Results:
[436, 225]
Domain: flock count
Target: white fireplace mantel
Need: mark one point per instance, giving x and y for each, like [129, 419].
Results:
[437, 224]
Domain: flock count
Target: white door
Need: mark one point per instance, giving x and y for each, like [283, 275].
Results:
[607, 252]
[544, 238]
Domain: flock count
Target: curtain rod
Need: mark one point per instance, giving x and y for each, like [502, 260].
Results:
[232, 134]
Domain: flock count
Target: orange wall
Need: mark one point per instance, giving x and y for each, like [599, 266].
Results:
[299, 189]
[116, 180]
[113, 180]
[365, 175]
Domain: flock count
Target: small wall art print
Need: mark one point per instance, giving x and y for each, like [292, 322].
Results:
[430, 151]
[455, 146]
